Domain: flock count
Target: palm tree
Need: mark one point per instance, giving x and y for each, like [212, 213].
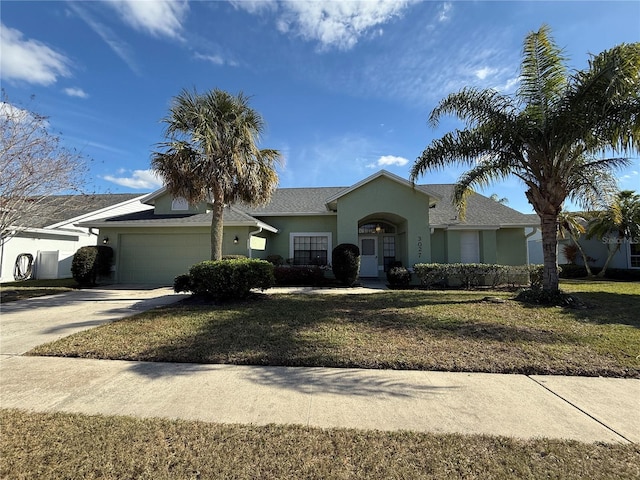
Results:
[547, 135]
[211, 154]
[619, 221]
[573, 224]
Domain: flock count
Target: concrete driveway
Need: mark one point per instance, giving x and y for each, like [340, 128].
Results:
[26, 324]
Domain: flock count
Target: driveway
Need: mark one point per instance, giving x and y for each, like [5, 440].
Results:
[26, 324]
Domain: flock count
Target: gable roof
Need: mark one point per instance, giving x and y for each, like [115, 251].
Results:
[233, 217]
[481, 211]
[65, 208]
[381, 173]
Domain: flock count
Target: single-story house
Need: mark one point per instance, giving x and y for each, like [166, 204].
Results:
[384, 214]
[52, 236]
[626, 257]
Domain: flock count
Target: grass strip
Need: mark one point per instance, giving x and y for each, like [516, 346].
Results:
[12, 291]
[63, 446]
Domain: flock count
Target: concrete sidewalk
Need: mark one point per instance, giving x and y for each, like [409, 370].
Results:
[585, 409]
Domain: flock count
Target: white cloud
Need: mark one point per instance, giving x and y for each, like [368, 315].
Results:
[215, 59]
[29, 60]
[120, 47]
[334, 24]
[139, 180]
[484, 72]
[444, 12]
[76, 92]
[388, 161]
[14, 115]
[159, 18]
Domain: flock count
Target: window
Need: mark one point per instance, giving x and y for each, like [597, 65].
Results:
[179, 204]
[388, 251]
[376, 227]
[469, 247]
[634, 255]
[310, 248]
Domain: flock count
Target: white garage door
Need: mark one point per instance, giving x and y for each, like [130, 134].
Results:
[157, 259]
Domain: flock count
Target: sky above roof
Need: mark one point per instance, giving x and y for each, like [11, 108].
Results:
[345, 87]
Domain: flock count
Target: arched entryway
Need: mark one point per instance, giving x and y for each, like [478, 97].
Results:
[382, 242]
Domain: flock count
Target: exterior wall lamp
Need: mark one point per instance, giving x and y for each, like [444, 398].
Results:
[236, 240]
[105, 240]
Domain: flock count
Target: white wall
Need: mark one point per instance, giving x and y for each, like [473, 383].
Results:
[66, 246]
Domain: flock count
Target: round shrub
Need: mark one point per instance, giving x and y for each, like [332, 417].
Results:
[227, 279]
[182, 283]
[346, 263]
[90, 262]
[398, 277]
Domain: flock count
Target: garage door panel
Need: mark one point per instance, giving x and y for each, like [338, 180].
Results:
[157, 259]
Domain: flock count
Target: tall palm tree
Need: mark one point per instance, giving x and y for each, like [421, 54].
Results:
[619, 221]
[547, 135]
[211, 154]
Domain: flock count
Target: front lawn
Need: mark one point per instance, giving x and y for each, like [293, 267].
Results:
[61, 446]
[422, 330]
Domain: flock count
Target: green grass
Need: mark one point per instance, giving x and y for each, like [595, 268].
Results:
[12, 291]
[65, 446]
[422, 330]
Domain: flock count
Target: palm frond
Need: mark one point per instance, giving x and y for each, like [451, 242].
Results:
[543, 74]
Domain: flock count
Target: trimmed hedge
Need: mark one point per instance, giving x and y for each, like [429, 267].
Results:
[469, 275]
[226, 279]
[311, 276]
[90, 262]
[346, 263]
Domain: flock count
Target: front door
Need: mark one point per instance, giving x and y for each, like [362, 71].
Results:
[368, 256]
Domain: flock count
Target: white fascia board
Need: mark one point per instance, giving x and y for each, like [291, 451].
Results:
[295, 214]
[95, 213]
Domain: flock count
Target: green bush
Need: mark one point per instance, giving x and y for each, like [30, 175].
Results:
[470, 275]
[398, 277]
[228, 279]
[90, 262]
[182, 283]
[299, 276]
[346, 263]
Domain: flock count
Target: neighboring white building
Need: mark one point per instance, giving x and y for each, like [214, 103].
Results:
[52, 242]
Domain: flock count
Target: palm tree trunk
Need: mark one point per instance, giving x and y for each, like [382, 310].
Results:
[217, 220]
[584, 255]
[611, 253]
[549, 227]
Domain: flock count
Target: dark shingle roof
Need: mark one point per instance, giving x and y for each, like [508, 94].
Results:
[481, 210]
[291, 201]
[58, 208]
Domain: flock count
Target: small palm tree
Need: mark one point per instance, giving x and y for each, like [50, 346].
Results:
[211, 154]
[573, 225]
[619, 221]
[547, 135]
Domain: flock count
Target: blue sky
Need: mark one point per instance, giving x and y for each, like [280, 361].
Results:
[345, 87]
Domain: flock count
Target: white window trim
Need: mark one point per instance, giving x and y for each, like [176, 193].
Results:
[629, 255]
[292, 235]
[179, 204]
